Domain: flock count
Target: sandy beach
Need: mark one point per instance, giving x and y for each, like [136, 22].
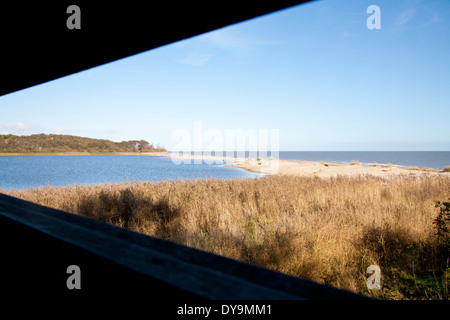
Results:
[310, 168]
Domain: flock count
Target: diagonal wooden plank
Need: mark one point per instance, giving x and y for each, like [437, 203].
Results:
[199, 273]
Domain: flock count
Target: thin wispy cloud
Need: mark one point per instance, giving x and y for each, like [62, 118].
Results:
[226, 40]
[219, 42]
[196, 59]
[435, 18]
[19, 128]
[229, 40]
[416, 16]
[405, 16]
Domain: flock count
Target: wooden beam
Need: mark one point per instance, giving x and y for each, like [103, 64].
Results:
[37, 45]
[39, 243]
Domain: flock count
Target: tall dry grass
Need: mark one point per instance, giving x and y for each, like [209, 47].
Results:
[326, 230]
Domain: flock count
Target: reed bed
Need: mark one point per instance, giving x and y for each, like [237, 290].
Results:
[327, 230]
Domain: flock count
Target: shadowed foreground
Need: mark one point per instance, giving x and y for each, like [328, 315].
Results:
[326, 230]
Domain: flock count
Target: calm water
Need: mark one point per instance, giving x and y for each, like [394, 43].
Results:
[422, 159]
[34, 171]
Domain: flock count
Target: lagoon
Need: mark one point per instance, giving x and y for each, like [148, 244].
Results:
[24, 172]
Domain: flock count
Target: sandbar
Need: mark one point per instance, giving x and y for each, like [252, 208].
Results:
[311, 168]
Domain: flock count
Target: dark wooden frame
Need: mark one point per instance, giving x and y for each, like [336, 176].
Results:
[39, 243]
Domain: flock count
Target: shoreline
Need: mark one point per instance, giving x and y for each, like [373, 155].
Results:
[313, 168]
[274, 167]
[18, 154]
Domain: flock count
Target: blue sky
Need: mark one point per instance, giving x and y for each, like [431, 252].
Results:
[315, 72]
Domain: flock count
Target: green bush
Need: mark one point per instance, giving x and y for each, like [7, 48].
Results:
[442, 222]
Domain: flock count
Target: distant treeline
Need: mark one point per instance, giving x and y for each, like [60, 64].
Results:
[54, 143]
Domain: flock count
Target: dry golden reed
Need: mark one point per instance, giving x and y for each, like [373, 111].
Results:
[326, 230]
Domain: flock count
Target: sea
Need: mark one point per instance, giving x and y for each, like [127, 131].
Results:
[422, 159]
[24, 172]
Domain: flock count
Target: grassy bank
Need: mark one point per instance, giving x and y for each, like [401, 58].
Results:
[326, 230]
[85, 154]
[59, 143]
